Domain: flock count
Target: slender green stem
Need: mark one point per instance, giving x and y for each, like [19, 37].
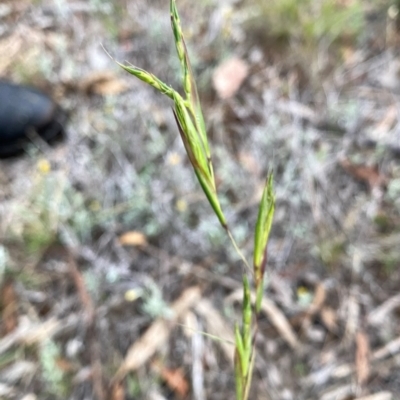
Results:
[238, 251]
[250, 374]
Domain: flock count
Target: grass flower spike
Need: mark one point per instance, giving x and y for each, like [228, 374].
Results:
[188, 116]
[262, 230]
[190, 121]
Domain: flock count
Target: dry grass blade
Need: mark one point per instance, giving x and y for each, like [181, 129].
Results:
[280, 322]
[389, 349]
[156, 335]
[378, 396]
[29, 333]
[6, 391]
[198, 349]
[377, 316]
[216, 325]
[338, 393]
[362, 358]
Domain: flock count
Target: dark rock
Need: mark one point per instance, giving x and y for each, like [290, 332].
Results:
[25, 111]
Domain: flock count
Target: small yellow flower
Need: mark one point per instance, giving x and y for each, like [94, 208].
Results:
[43, 166]
[181, 205]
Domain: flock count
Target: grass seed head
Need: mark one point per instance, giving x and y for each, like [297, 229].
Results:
[263, 228]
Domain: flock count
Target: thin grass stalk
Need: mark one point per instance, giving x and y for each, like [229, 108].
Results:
[238, 251]
[190, 121]
[245, 346]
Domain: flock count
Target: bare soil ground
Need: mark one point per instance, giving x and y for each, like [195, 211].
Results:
[111, 263]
